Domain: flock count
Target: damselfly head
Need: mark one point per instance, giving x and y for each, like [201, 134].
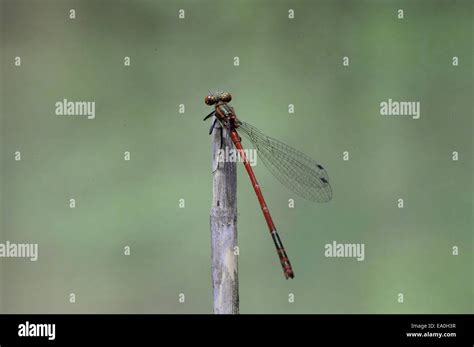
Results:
[214, 97]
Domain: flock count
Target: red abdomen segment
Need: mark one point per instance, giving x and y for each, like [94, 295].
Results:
[285, 262]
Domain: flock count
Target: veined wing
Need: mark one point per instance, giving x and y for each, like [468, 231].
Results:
[294, 169]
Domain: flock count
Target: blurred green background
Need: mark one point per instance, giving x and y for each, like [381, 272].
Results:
[282, 61]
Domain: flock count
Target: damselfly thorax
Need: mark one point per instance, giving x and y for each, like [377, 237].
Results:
[224, 113]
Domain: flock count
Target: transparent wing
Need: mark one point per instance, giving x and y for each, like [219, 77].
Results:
[292, 168]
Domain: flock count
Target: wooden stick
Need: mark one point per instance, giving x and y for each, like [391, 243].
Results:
[225, 281]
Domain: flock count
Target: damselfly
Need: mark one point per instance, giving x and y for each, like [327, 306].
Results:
[293, 169]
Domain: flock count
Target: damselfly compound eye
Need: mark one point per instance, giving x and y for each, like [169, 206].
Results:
[210, 100]
[226, 97]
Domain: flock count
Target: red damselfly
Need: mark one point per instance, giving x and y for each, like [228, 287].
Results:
[292, 168]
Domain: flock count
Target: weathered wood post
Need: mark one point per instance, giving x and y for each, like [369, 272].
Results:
[225, 280]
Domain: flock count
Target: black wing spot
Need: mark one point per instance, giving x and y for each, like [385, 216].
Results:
[320, 167]
[324, 180]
